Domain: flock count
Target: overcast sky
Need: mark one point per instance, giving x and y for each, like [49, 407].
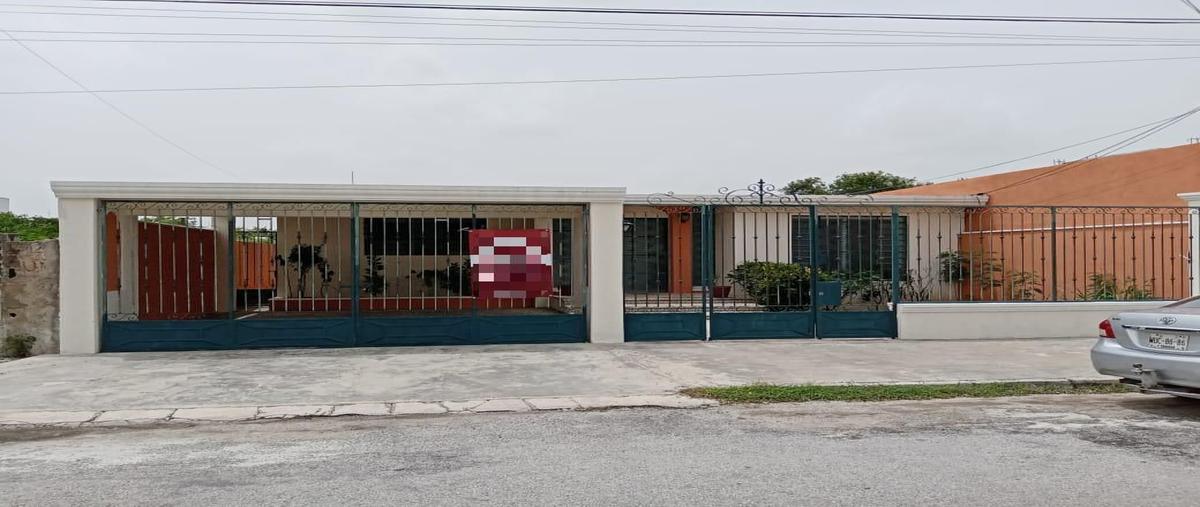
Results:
[683, 135]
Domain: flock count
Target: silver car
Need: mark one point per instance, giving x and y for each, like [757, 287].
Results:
[1157, 350]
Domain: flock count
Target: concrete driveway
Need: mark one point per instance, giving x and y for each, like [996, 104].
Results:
[338, 376]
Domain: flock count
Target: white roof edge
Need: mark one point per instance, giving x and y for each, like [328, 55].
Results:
[1190, 197]
[803, 200]
[290, 192]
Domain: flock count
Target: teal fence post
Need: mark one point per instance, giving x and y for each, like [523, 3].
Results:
[1053, 253]
[706, 267]
[895, 222]
[101, 219]
[355, 279]
[231, 262]
[813, 275]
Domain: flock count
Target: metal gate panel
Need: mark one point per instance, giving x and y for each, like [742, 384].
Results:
[851, 324]
[762, 325]
[309, 332]
[456, 330]
[858, 256]
[166, 335]
[665, 274]
[664, 326]
[761, 290]
[223, 275]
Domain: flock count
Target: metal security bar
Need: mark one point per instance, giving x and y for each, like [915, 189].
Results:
[854, 255]
[220, 275]
[164, 261]
[417, 259]
[762, 259]
[292, 259]
[1048, 253]
[663, 259]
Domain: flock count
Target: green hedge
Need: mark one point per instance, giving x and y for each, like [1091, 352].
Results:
[28, 228]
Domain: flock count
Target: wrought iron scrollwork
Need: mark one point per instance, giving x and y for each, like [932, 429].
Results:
[759, 193]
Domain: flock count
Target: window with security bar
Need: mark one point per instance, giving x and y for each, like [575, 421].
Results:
[851, 245]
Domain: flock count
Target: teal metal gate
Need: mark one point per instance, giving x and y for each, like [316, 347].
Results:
[667, 272]
[776, 266]
[236, 275]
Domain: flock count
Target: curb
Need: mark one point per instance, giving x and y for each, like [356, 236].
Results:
[142, 417]
[139, 417]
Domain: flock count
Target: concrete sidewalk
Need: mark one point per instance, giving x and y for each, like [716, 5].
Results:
[328, 377]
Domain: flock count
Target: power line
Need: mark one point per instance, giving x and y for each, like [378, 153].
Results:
[604, 25]
[609, 25]
[638, 44]
[1047, 152]
[1155, 123]
[1160, 126]
[523, 39]
[1192, 5]
[686, 12]
[127, 116]
[623, 27]
[598, 80]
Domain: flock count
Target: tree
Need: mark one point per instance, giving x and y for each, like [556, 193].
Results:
[868, 182]
[850, 183]
[811, 185]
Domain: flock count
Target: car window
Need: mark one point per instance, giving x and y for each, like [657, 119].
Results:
[1192, 302]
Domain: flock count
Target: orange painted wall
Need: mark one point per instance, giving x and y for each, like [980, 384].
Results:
[255, 268]
[1142, 248]
[679, 229]
[1139, 250]
[177, 278]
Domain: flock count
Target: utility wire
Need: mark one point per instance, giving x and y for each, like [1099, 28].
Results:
[684, 12]
[1153, 124]
[889, 33]
[127, 116]
[1191, 5]
[600, 80]
[1103, 151]
[1047, 152]
[612, 25]
[585, 43]
[533, 39]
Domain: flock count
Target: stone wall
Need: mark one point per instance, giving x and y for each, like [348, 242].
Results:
[29, 291]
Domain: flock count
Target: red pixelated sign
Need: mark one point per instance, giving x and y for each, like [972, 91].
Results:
[511, 264]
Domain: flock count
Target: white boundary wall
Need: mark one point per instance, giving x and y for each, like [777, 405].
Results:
[984, 321]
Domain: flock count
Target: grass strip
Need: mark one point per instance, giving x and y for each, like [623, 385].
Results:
[770, 393]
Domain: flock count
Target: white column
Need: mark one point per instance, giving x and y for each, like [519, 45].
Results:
[1193, 201]
[606, 303]
[79, 276]
[578, 261]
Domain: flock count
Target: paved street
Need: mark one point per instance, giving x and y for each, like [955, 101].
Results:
[1050, 450]
[337, 376]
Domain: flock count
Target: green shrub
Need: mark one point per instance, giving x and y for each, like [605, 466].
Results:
[1023, 285]
[774, 285]
[28, 228]
[1103, 287]
[17, 346]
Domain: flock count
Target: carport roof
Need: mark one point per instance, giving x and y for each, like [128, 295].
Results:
[300, 192]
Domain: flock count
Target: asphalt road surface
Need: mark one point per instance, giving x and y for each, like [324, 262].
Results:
[1049, 450]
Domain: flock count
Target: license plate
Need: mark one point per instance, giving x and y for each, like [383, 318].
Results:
[1167, 341]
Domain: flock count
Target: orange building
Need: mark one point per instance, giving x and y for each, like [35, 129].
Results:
[1144, 178]
[1105, 228]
